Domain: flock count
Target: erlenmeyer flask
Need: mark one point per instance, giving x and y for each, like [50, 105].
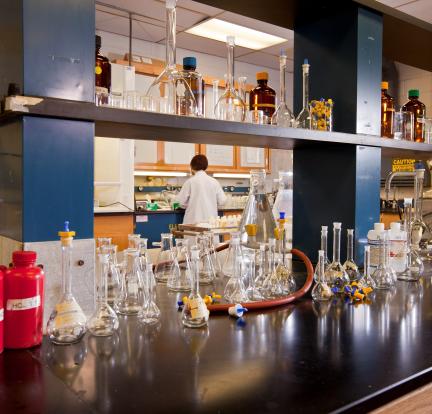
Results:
[349, 265]
[180, 279]
[113, 273]
[284, 197]
[272, 284]
[130, 300]
[335, 275]
[134, 241]
[171, 83]
[258, 210]
[166, 261]
[230, 106]
[143, 253]
[150, 312]
[207, 272]
[384, 276]
[414, 265]
[235, 291]
[102, 241]
[195, 313]
[228, 266]
[283, 115]
[367, 280]
[104, 321]
[67, 322]
[321, 291]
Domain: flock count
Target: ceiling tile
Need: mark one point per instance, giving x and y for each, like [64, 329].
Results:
[260, 59]
[115, 24]
[201, 44]
[275, 50]
[198, 7]
[149, 32]
[394, 3]
[422, 9]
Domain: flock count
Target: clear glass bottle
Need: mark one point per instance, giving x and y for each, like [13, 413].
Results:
[414, 265]
[180, 280]
[113, 273]
[170, 84]
[67, 322]
[150, 312]
[387, 111]
[230, 106]
[283, 115]
[130, 300]
[335, 275]
[367, 280]
[104, 321]
[166, 263]
[284, 197]
[195, 313]
[304, 119]
[196, 84]
[272, 284]
[350, 266]
[228, 266]
[384, 276]
[235, 291]
[321, 291]
[207, 272]
[258, 210]
[262, 97]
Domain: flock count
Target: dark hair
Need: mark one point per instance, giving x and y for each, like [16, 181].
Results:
[199, 162]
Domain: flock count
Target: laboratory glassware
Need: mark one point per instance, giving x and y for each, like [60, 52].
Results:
[418, 227]
[335, 275]
[102, 241]
[207, 271]
[367, 280]
[350, 266]
[283, 267]
[414, 267]
[242, 88]
[262, 97]
[143, 253]
[233, 250]
[303, 119]
[166, 263]
[252, 291]
[283, 115]
[321, 291]
[387, 111]
[324, 243]
[215, 97]
[272, 285]
[196, 83]
[230, 106]
[67, 322]
[170, 83]
[321, 114]
[261, 272]
[403, 123]
[418, 109]
[195, 313]
[180, 279]
[150, 312]
[104, 321]
[113, 273]
[235, 291]
[251, 230]
[284, 196]
[213, 253]
[384, 276]
[258, 210]
[130, 300]
[134, 241]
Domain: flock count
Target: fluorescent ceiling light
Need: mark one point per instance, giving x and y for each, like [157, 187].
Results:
[230, 175]
[160, 173]
[217, 29]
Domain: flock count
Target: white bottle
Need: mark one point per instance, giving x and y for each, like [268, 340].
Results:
[374, 244]
[398, 251]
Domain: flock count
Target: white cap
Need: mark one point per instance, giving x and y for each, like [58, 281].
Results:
[408, 201]
[395, 226]
[324, 228]
[195, 254]
[420, 173]
[170, 4]
[337, 225]
[320, 253]
[367, 249]
[272, 242]
[379, 227]
[350, 231]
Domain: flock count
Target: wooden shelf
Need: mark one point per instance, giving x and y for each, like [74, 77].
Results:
[120, 123]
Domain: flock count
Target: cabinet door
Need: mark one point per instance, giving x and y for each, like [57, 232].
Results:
[221, 158]
[250, 158]
[147, 153]
[177, 155]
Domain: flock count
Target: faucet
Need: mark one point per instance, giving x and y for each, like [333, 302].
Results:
[390, 177]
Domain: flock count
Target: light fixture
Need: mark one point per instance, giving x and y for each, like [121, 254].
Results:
[230, 175]
[160, 173]
[217, 29]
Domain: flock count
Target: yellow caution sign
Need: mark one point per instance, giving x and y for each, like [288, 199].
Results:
[403, 164]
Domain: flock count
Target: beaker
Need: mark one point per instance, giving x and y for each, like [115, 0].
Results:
[283, 115]
[335, 275]
[257, 210]
[130, 300]
[349, 265]
[235, 291]
[230, 106]
[104, 321]
[321, 291]
[180, 279]
[166, 263]
[67, 322]
[324, 243]
[150, 312]
[384, 276]
[367, 280]
[284, 196]
[113, 273]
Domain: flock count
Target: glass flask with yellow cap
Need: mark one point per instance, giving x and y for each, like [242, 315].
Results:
[67, 322]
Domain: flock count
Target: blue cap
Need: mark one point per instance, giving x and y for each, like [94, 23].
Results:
[306, 62]
[66, 226]
[281, 215]
[190, 61]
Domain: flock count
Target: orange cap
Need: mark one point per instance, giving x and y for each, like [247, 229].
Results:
[262, 76]
[384, 85]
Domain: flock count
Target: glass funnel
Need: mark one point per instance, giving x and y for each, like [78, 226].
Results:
[166, 263]
[350, 265]
[180, 280]
[104, 321]
[235, 291]
[170, 84]
[230, 106]
[257, 210]
[335, 275]
[150, 312]
[321, 291]
[414, 265]
[283, 115]
[304, 119]
[384, 276]
[284, 198]
[67, 322]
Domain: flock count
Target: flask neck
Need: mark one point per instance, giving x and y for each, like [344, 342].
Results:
[324, 243]
[171, 37]
[102, 281]
[336, 245]
[350, 246]
[282, 70]
[66, 270]
[418, 197]
[230, 66]
[305, 88]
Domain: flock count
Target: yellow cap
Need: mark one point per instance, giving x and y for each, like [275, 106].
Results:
[384, 85]
[262, 76]
[251, 229]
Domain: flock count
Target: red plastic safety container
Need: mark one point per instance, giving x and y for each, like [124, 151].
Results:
[23, 299]
[2, 270]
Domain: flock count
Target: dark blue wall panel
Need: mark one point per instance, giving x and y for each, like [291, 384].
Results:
[57, 177]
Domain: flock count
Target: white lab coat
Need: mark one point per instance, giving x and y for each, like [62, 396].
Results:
[201, 196]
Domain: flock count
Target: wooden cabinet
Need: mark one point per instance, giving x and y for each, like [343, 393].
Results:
[116, 226]
[221, 158]
[252, 158]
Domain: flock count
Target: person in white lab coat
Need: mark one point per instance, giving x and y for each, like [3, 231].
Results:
[201, 195]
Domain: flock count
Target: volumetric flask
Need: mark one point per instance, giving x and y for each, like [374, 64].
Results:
[349, 265]
[384, 276]
[335, 275]
[230, 258]
[272, 287]
[321, 291]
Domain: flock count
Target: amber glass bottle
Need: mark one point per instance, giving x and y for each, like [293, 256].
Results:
[262, 97]
[419, 111]
[102, 75]
[387, 112]
[196, 83]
